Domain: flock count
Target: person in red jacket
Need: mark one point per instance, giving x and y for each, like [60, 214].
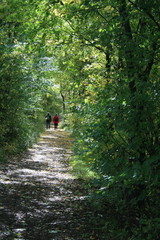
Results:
[56, 120]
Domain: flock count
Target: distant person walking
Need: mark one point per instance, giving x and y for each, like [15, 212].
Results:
[56, 120]
[48, 120]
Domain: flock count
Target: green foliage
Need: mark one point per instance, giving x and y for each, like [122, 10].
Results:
[15, 97]
[26, 91]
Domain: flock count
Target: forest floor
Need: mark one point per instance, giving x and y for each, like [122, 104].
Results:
[40, 199]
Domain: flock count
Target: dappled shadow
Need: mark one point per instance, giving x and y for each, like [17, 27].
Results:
[40, 199]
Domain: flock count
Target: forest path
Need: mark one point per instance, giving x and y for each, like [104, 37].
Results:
[39, 197]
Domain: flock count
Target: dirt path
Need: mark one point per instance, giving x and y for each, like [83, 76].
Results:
[39, 198]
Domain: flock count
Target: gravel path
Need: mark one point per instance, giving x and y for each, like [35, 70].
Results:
[40, 199]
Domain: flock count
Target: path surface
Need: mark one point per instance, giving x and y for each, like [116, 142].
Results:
[39, 198]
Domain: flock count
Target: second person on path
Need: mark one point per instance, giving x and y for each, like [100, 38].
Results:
[56, 120]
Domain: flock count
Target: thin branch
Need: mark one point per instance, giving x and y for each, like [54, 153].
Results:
[81, 37]
[146, 12]
[151, 62]
[101, 15]
[121, 137]
[93, 44]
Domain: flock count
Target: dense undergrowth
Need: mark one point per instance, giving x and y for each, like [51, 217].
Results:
[124, 193]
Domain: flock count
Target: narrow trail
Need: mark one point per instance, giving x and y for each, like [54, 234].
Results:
[39, 197]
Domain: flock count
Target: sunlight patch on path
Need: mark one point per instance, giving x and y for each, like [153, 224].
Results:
[44, 162]
[38, 187]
